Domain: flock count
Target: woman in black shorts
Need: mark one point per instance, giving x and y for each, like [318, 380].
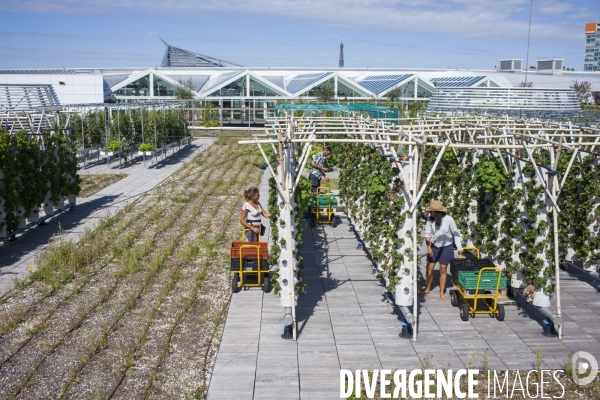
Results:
[440, 232]
[251, 212]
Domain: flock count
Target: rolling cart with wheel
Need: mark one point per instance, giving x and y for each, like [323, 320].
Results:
[479, 284]
[323, 207]
[250, 265]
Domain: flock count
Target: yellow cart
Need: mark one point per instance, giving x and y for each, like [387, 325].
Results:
[250, 265]
[324, 205]
[482, 298]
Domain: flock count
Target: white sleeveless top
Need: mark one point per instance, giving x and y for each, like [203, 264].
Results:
[253, 214]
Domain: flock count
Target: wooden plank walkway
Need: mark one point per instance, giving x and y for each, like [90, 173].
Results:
[343, 324]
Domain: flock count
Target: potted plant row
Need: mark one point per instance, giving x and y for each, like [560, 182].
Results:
[146, 148]
[113, 149]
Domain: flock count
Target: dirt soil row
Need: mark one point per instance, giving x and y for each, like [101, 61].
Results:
[142, 316]
[93, 183]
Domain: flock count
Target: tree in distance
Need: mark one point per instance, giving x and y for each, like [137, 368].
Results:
[583, 90]
[526, 84]
[393, 95]
[184, 91]
[325, 93]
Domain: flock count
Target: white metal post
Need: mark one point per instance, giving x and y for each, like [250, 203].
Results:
[415, 273]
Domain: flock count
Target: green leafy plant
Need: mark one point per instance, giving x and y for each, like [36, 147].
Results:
[29, 173]
[146, 147]
[114, 145]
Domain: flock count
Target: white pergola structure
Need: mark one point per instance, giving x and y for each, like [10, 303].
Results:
[292, 137]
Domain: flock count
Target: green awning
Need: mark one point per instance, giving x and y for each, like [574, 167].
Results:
[374, 111]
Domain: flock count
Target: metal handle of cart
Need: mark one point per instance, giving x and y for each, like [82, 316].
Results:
[471, 248]
[246, 230]
[321, 190]
[494, 297]
[492, 307]
[258, 270]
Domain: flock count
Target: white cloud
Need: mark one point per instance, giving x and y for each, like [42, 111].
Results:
[505, 20]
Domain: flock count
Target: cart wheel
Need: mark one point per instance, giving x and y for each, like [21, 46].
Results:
[234, 283]
[500, 312]
[333, 222]
[454, 298]
[464, 312]
[267, 284]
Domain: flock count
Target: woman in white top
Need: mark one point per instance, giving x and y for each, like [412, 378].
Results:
[440, 231]
[251, 212]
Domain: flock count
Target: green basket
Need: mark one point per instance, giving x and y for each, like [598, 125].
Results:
[324, 201]
[489, 280]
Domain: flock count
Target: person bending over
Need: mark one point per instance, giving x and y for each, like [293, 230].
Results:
[440, 231]
[317, 170]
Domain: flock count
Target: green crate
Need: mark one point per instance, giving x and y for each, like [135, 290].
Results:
[324, 201]
[489, 280]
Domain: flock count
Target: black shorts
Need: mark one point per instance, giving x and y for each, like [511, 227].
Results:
[443, 255]
[316, 182]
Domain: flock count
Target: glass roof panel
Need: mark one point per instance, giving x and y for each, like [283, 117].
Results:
[408, 89]
[380, 83]
[112, 80]
[313, 92]
[197, 80]
[140, 87]
[258, 89]
[236, 88]
[162, 87]
[212, 83]
[276, 80]
[346, 89]
[299, 82]
[465, 81]
[424, 90]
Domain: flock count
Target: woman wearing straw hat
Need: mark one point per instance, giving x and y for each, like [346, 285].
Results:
[440, 231]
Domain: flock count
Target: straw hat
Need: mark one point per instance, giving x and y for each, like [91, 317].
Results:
[436, 205]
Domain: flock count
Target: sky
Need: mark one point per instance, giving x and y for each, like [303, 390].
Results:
[463, 34]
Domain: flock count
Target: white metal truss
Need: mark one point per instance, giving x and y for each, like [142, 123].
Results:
[27, 97]
[410, 138]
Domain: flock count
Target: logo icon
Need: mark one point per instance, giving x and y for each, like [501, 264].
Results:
[583, 362]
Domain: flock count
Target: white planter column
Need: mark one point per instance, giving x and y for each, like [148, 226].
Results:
[405, 284]
[288, 264]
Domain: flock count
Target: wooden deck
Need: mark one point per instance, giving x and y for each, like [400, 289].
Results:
[343, 324]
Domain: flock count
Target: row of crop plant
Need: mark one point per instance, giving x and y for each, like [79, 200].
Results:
[36, 177]
[128, 309]
[118, 129]
[500, 204]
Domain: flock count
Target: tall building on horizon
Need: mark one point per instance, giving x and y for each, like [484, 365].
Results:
[341, 55]
[591, 56]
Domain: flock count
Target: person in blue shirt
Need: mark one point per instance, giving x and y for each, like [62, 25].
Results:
[440, 232]
[274, 163]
